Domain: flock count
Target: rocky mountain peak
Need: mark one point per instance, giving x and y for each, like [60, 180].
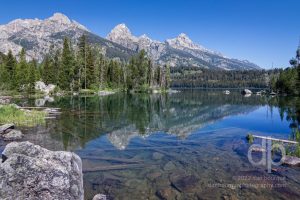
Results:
[59, 17]
[120, 31]
[183, 41]
[144, 37]
[36, 35]
[122, 35]
[184, 38]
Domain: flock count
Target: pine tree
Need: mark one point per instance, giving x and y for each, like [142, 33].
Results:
[168, 77]
[150, 74]
[80, 67]
[21, 75]
[66, 68]
[157, 76]
[100, 68]
[90, 68]
[56, 66]
[32, 76]
[110, 73]
[9, 70]
[50, 69]
[47, 71]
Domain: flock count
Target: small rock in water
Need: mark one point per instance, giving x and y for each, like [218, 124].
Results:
[292, 160]
[246, 91]
[169, 166]
[185, 184]
[4, 127]
[13, 135]
[157, 156]
[153, 176]
[166, 194]
[100, 197]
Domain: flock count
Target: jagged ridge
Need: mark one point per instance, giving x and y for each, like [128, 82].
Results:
[37, 36]
[179, 51]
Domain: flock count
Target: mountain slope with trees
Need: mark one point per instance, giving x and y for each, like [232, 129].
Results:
[82, 66]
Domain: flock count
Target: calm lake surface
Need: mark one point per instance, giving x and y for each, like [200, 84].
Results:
[187, 145]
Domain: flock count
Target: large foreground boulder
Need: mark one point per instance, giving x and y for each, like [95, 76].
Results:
[29, 171]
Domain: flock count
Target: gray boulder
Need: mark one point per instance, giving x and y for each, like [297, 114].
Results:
[100, 197]
[4, 127]
[246, 91]
[4, 101]
[13, 135]
[40, 85]
[29, 171]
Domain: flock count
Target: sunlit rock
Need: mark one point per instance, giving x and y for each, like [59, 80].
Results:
[29, 171]
[41, 86]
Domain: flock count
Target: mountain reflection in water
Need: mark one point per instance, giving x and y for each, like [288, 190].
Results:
[122, 117]
[171, 146]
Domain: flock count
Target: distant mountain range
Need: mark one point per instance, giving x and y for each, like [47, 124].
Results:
[37, 36]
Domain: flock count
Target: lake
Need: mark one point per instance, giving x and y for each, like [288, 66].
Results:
[186, 145]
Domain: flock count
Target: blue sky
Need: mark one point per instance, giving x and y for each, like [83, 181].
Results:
[262, 31]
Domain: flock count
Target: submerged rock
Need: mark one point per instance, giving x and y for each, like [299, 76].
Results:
[157, 156]
[32, 172]
[13, 135]
[185, 184]
[169, 166]
[166, 193]
[292, 160]
[100, 197]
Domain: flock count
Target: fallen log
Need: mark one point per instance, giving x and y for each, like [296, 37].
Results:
[124, 160]
[54, 113]
[113, 167]
[39, 107]
[50, 117]
[275, 139]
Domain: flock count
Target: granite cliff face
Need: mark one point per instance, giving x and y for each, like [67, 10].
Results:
[38, 36]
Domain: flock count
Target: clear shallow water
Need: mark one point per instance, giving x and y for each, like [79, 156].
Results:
[189, 145]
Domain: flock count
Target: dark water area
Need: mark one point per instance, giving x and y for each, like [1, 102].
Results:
[187, 145]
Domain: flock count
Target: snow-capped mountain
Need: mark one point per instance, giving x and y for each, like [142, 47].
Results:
[179, 51]
[37, 36]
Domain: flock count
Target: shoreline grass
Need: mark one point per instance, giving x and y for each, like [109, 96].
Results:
[19, 117]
